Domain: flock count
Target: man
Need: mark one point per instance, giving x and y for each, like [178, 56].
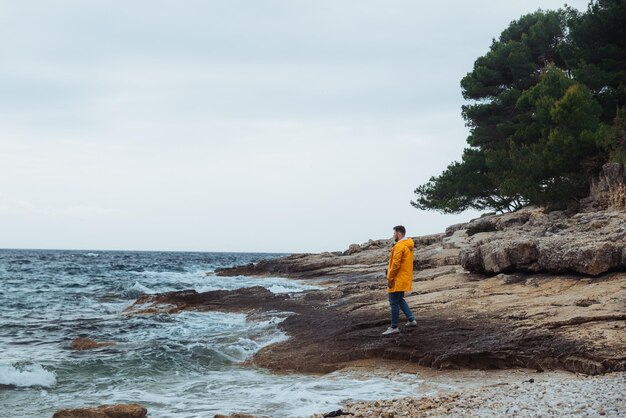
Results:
[400, 278]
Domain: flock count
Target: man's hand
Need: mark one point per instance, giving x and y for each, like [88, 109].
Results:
[390, 283]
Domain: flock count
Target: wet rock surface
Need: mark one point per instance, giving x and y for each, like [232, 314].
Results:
[105, 411]
[525, 289]
[240, 300]
[88, 344]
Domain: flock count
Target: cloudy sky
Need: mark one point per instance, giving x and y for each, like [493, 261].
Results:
[287, 126]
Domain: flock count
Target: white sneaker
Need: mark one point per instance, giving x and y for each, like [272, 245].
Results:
[412, 323]
[390, 331]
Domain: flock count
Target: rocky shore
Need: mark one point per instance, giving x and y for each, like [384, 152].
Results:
[525, 289]
[529, 289]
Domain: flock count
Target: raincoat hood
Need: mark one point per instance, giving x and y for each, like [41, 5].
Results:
[410, 244]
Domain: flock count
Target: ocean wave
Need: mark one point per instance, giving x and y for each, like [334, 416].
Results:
[26, 375]
[273, 284]
[136, 290]
[291, 288]
[213, 337]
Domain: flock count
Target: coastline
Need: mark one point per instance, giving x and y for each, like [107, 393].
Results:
[502, 295]
[523, 316]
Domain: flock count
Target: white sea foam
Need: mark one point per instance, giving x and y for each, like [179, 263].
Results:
[160, 281]
[259, 335]
[230, 334]
[273, 284]
[138, 287]
[289, 395]
[26, 375]
[278, 288]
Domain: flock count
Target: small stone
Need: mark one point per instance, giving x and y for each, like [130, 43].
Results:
[88, 343]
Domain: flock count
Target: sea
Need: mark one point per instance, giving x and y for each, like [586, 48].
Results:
[187, 364]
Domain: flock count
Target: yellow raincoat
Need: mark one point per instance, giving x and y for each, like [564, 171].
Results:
[400, 269]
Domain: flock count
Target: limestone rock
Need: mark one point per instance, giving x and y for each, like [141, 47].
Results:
[587, 243]
[608, 190]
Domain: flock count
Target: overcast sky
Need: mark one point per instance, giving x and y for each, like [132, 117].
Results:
[278, 126]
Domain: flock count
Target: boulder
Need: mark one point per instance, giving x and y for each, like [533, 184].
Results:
[589, 243]
[501, 255]
[353, 248]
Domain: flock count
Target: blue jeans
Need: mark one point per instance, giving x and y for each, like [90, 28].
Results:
[397, 302]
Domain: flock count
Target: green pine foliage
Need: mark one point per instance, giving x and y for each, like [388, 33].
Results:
[546, 109]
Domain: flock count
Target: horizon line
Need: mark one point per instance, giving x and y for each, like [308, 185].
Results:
[135, 250]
